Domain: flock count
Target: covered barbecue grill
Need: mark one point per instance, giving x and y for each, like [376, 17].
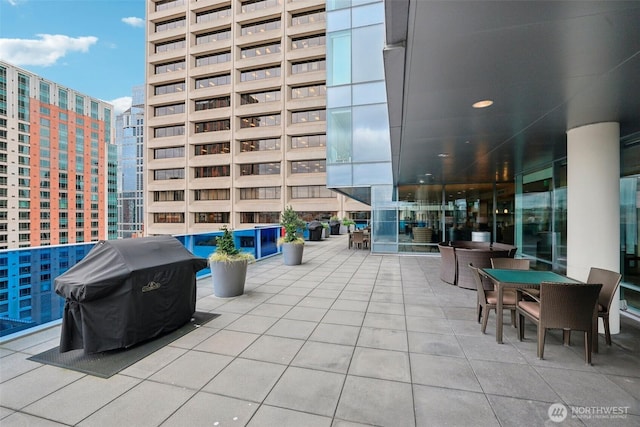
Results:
[127, 291]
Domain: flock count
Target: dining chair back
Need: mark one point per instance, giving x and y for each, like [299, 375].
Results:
[358, 239]
[566, 306]
[487, 300]
[610, 281]
[511, 263]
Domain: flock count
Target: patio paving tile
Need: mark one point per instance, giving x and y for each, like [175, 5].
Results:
[371, 340]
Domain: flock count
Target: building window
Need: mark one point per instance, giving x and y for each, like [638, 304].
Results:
[213, 103]
[211, 217]
[260, 97]
[308, 66]
[168, 196]
[259, 74]
[213, 148]
[270, 144]
[213, 126]
[169, 88]
[213, 81]
[308, 91]
[306, 141]
[310, 17]
[253, 5]
[259, 193]
[309, 116]
[266, 49]
[165, 131]
[168, 218]
[170, 25]
[309, 166]
[260, 169]
[171, 45]
[168, 4]
[167, 110]
[309, 41]
[163, 174]
[211, 171]
[212, 194]
[212, 15]
[259, 217]
[311, 192]
[170, 66]
[258, 121]
[259, 27]
[216, 58]
[213, 36]
[168, 153]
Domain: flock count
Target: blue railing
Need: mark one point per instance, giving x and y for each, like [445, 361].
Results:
[27, 294]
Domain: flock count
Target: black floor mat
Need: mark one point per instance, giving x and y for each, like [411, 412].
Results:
[108, 363]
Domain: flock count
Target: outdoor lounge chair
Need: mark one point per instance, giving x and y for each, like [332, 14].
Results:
[566, 306]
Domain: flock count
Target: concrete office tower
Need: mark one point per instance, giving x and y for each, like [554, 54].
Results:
[235, 114]
[57, 163]
[129, 139]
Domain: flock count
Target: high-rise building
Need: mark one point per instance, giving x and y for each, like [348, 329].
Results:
[129, 139]
[57, 163]
[235, 115]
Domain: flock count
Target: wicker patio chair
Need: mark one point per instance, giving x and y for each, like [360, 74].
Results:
[447, 263]
[511, 263]
[610, 281]
[480, 259]
[566, 306]
[487, 301]
[358, 239]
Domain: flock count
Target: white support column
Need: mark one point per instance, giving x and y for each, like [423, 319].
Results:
[593, 204]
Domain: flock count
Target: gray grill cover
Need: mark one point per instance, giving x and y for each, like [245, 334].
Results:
[127, 291]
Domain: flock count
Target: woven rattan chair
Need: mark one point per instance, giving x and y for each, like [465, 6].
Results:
[447, 263]
[510, 263]
[358, 240]
[566, 306]
[610, 281]
[480, 259]
[487, 301]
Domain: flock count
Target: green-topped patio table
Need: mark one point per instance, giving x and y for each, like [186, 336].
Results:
[518, 279]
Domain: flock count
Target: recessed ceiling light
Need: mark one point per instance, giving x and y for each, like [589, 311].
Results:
[443, 155]
[483, 104]
[428, 174]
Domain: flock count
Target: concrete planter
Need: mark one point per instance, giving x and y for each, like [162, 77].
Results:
[292, 253]
[228, 278]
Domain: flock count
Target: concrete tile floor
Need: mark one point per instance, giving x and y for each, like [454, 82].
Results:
[345, 339]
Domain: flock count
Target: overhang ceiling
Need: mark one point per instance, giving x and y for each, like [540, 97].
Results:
[547, 66]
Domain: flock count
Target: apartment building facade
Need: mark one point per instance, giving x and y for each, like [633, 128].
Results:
[235, 114]
[57, 163]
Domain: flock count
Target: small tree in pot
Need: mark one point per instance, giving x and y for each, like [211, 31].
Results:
[292, 244]
[228, 266]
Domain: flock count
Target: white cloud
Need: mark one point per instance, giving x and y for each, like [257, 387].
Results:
[120, 105]
[15, 2]
[44, 51]
[133, 21]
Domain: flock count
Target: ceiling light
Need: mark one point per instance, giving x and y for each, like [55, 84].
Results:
[483, 104]
[443, 155]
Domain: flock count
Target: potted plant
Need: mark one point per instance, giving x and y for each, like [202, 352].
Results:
[292, 244]
[326, 232]
[349, 223]
[334, 224]
[228, 266]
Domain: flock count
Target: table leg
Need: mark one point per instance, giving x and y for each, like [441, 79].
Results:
[499, 319]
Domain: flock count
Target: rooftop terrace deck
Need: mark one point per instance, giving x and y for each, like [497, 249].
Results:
[345, 339]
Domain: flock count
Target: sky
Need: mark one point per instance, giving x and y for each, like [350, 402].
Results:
[95, 47]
